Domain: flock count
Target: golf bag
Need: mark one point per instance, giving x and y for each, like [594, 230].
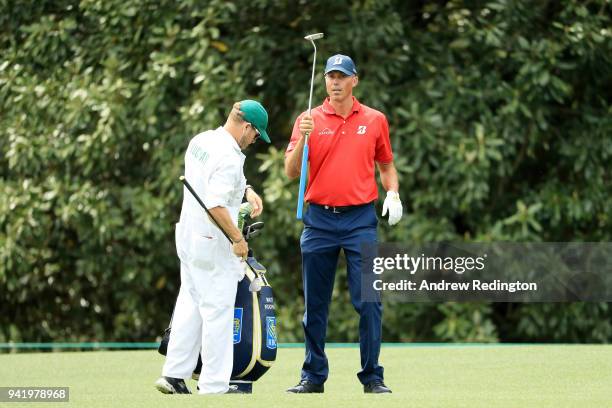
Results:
[254, 323]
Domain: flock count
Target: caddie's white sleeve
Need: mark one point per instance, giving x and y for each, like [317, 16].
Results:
[222, 184]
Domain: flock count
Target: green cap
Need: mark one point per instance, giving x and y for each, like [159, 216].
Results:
[256, 115]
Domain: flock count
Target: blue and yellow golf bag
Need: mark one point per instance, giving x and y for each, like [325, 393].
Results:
[254, 326]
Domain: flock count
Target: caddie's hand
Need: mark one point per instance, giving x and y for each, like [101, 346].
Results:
[306, 124]
[393, 205]
[241, 249]
[255, 200]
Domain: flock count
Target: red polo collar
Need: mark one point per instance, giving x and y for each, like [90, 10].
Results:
[329, 109]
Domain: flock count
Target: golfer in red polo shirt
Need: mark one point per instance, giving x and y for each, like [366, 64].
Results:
[346, 140]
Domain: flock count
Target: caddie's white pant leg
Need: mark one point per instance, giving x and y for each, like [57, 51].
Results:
[184, 344]
[217, 349]
[217, 312]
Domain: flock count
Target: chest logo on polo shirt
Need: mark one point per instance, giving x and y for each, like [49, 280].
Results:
[326, 131]
[361, 130]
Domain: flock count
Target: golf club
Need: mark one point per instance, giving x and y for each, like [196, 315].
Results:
[300, 205]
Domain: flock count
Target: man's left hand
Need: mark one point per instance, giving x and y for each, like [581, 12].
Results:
[255, 201]
[393, 205]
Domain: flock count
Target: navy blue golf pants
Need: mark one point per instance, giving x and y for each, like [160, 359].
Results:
[325, 233]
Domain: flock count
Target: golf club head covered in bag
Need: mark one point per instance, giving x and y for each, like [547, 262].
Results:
[254, 327]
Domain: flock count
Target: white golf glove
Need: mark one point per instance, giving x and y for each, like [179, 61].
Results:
[393, 205]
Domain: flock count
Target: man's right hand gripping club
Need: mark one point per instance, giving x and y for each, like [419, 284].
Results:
[306, 125]
[240, 248]
[294, 160]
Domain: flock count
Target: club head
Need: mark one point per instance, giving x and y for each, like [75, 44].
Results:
[251, 231]
[255, 285]
[312, 37]
[251, 234]
[257, 225]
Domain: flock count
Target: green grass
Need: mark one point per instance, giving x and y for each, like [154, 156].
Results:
[426, 376]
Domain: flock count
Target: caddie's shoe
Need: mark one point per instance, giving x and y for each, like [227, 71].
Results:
[170, 385]
[376, 387]
[233, 389]
[306, 387]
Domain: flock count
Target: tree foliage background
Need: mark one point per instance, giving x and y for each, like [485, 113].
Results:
[500, 122]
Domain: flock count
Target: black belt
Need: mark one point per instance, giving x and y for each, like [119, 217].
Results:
[340, 209]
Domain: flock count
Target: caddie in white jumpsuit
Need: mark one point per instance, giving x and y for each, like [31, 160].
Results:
[211, 266]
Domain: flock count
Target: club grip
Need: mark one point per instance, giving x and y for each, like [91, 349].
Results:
[300, 203]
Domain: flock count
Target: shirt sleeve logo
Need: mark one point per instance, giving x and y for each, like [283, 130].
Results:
[361, 130]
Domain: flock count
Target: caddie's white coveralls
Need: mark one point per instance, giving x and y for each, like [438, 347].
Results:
[204, 313]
